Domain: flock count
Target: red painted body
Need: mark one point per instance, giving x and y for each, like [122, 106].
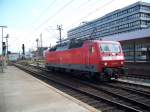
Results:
[89, 54]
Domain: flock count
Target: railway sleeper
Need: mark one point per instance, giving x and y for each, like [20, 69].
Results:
[137, 91]
[108, 109]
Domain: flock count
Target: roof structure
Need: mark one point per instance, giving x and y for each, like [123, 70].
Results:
[129, 35]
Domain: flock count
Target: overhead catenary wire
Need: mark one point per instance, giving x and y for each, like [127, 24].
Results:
[64, 6]
[56, 13]
[50, 17]
[44, 11]
[85, 2]
[81, 5]
[97, 9]
[90, 13]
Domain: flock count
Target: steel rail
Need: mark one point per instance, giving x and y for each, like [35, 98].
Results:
[109, 91]
[144, 93]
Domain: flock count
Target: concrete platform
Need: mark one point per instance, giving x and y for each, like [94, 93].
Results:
[21, 92]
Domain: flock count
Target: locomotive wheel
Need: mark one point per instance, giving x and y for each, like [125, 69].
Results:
[62, 70]
[49, 68]
[91, 75]
[52, 69]
[116, 76]
[104, 77]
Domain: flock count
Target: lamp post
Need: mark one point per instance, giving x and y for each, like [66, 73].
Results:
[2, 37]
[37, 54]
[2, 62]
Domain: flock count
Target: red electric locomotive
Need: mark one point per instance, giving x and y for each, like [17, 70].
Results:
[103, 59]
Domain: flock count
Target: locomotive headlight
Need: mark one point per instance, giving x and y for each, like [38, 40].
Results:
[122, 62]
[105, 63]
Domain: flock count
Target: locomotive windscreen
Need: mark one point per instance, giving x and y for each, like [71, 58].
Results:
[110, 47]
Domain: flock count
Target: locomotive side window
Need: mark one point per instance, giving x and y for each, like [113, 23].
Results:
[110, 47]
[61, 48]
[91, 49]
[75, 44]
[53, 48]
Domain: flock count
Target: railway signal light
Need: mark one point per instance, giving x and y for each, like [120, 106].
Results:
[23, 51]
[23, 48]
[4, 48]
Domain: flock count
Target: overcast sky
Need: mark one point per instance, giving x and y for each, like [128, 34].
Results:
[26, 19]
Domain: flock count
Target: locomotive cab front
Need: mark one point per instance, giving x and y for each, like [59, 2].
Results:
[111, 59]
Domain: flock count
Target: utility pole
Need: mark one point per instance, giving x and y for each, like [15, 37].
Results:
[37, 54]
[41, 46]
[41, 40]
[59, 27]
[50, 45]
[2, 61]
[2, 38]
[23, 51]
[6, 48]
[37, 41]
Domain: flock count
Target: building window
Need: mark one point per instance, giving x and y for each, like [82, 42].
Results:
[145, 8]
[144, 15]
[130, 10]
[143, 22]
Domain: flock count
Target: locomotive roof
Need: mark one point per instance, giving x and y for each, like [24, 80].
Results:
[77, 44]
[103, 41]
[82, 41]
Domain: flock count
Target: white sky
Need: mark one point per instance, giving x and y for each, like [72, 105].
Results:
[44, 18]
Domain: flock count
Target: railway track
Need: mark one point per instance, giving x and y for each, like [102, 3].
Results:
[124, 84]
[105, 97]
[138, 76]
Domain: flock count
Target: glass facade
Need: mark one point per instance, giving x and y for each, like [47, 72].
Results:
[137, 50]
[133, 17]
